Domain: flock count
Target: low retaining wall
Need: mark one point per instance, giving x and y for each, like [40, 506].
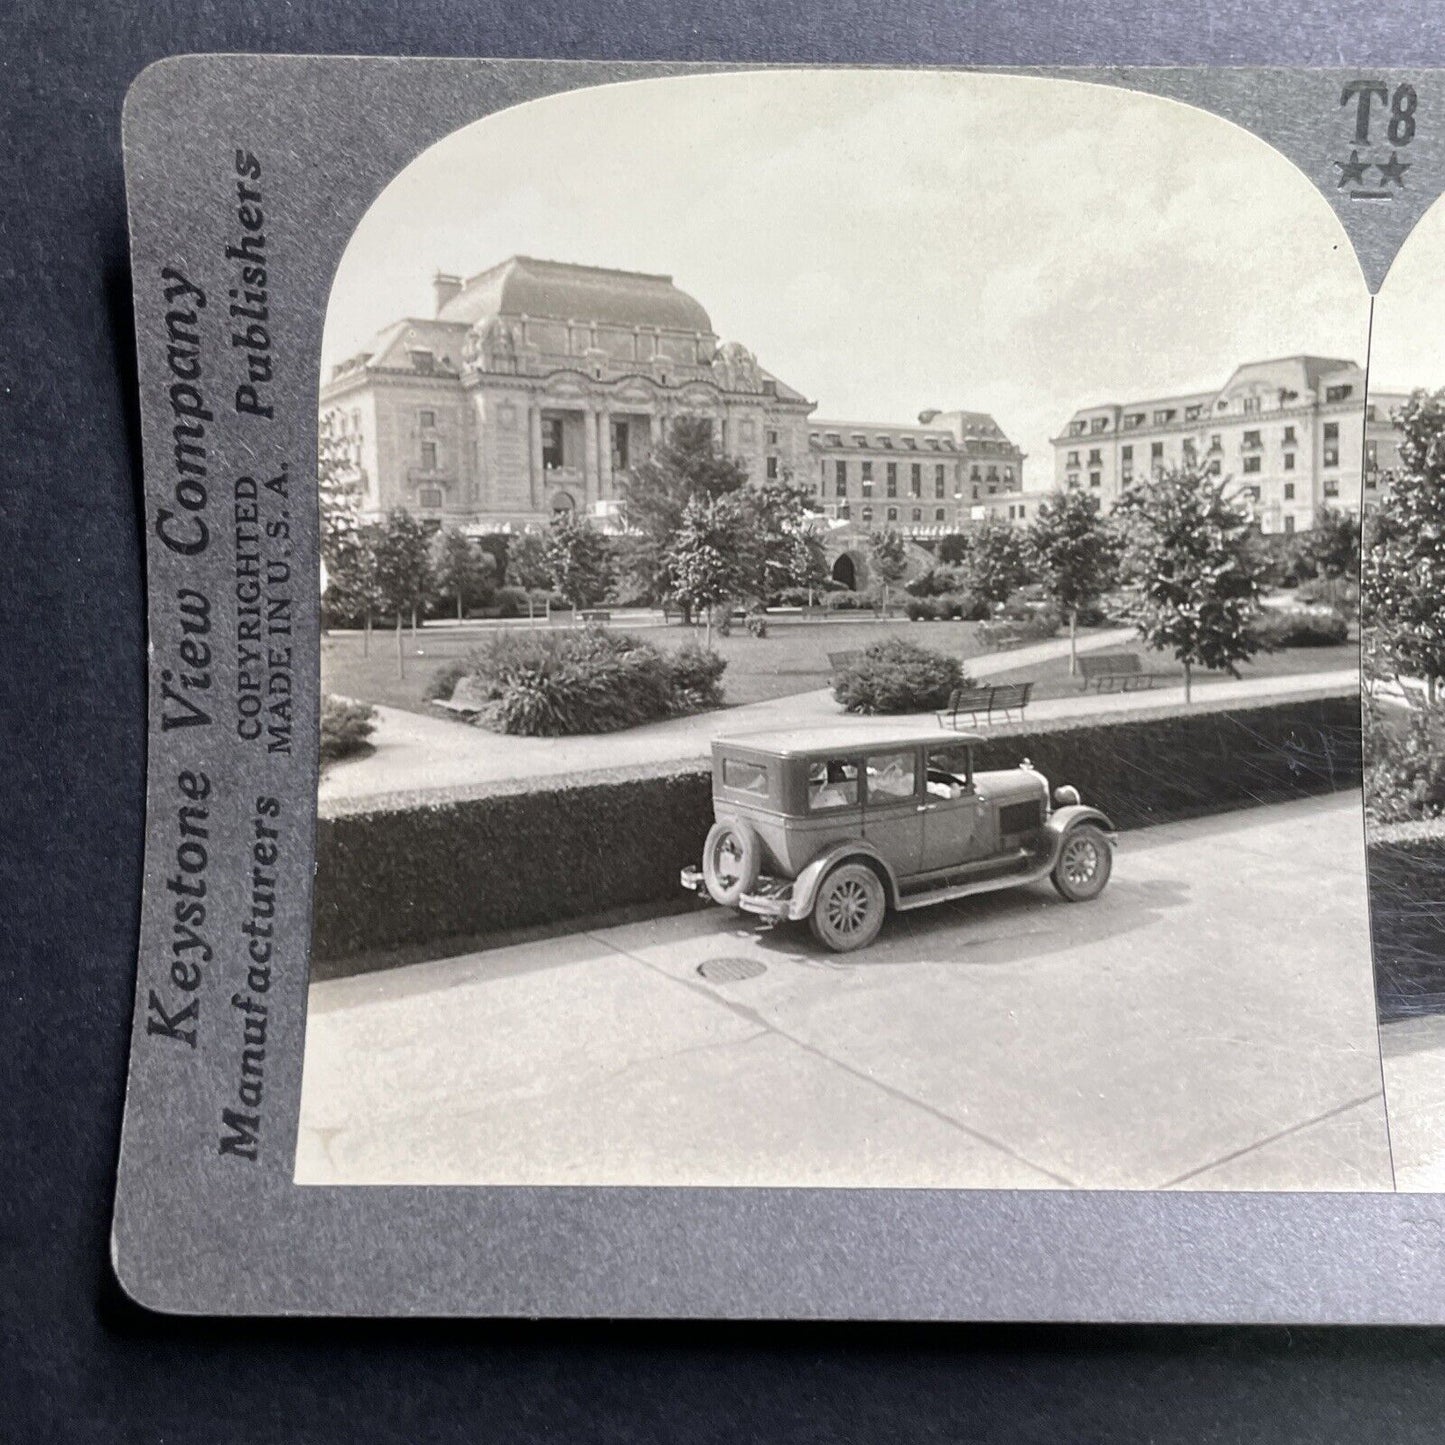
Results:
[420, 871]
[1407, 918]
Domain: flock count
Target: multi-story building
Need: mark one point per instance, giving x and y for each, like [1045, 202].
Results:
[538, 386]
[1293, 435]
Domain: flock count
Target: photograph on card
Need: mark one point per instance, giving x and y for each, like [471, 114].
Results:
[841, 650]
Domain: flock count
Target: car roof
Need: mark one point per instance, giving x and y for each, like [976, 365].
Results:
[838, 737]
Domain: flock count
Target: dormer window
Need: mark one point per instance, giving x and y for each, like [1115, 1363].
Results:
[423, 360]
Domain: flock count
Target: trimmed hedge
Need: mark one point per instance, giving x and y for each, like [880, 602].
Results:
[420, 874]
[1407, 922]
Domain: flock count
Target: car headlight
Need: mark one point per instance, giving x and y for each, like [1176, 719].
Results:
[1066, 797]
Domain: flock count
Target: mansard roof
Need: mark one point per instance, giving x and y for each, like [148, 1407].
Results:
[562, 291]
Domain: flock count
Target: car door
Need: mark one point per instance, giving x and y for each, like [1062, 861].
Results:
[951, 810]
[892, 816]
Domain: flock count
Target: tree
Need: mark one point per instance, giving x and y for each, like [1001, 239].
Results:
[776, 541]
[338, 503]
[351, 579]
[403, 575]
[703, 559]
[578, 560]
[1332, 545]
[997, 560]
[887, 559]
[461, 570]
[1402, 568]
[686, 466]
[527, 564]
[1187, 553]
[953, 549]
[1076, 553]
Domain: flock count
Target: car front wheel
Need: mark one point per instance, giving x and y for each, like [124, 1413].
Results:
[1085, 860]
[849, 908]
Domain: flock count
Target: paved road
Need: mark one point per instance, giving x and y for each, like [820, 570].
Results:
[1414, 1058]
[1208, 1023]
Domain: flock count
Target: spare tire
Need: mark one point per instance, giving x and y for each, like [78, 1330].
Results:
[731, 860]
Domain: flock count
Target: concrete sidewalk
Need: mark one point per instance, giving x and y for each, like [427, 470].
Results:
[1207, 1023]
[414, 753]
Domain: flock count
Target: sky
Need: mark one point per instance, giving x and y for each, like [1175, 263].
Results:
[889, 241]
[1408, 342]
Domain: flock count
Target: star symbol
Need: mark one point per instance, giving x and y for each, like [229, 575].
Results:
[1352, 171]
[1392, 170]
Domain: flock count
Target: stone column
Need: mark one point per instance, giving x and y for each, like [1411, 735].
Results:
[590, 475]
[604, 453]
[534, 455]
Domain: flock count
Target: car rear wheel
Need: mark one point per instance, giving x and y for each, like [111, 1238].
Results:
[849, 908]
[1085, 861]
[731, 860]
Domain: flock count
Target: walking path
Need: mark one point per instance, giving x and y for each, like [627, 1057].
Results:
[414, 753]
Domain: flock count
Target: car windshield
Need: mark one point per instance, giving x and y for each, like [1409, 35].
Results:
[832, 783]
[949, 771]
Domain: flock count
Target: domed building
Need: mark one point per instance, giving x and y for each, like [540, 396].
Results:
[537, 386]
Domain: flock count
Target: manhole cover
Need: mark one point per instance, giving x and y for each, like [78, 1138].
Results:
[731, 970]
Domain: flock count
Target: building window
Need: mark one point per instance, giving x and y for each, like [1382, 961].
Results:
[1096, 458]
[1251, 464]
[1156, 451]
[772, 469]
[1071, 479]
[1008, 475]
[1072, 460]
[1332, 487]
[1126, 453]
[1338, 393]
[840, 478]
[1251, 439]
[1289, 461]
[938, 514]
[1022, 511]
[1251, 406]
[424, 361]
[1099, 423]
[867, 515]
[892, 481]
[429, 498]
[1289, 437]
[1076, 428]
[1214, 467]
[1332, 443]
[918, 514]
[621, 459]
[1096, 479]
[915, 480]
[428, 456]
[1193, 413]
[940, 482]
[893, 514]
[1164, 416]
[1289, 523]
[975, 475]
[553, 455]
[1289, 491]
[867, 474]
[1134, 419]
[772, 438]
[1214, 442]
[426, 418]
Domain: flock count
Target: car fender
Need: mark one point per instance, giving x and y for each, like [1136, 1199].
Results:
[807, 883]
[1071, 816]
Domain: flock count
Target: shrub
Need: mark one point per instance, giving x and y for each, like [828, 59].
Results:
[1036, 625]
[1337, 592]
[345, 728]
[554, 684]
[511, 602]
[895, 675]
[790, 597]
[921, 609]
[1405, 769]
[757, 624]
[1299, 627]
[847, 601]
[443, 682]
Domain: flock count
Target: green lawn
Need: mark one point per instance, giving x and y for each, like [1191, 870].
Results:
[1051, 679]
[792, 658]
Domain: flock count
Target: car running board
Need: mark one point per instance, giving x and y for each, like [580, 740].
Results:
[1009, 873]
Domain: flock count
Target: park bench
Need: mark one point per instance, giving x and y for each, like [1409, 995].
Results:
[1115, 670]
[984, 700]
[590, 615]
[998, 635]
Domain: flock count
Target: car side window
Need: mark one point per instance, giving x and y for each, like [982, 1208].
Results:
[832, 784]
[950, 772]
[892, 777]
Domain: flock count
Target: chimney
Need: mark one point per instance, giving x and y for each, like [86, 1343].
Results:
[445, 288]
[924, 417]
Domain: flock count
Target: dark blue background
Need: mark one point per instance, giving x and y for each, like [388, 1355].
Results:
[79, 1362]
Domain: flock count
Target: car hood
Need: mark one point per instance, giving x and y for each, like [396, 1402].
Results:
[1011, 785]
